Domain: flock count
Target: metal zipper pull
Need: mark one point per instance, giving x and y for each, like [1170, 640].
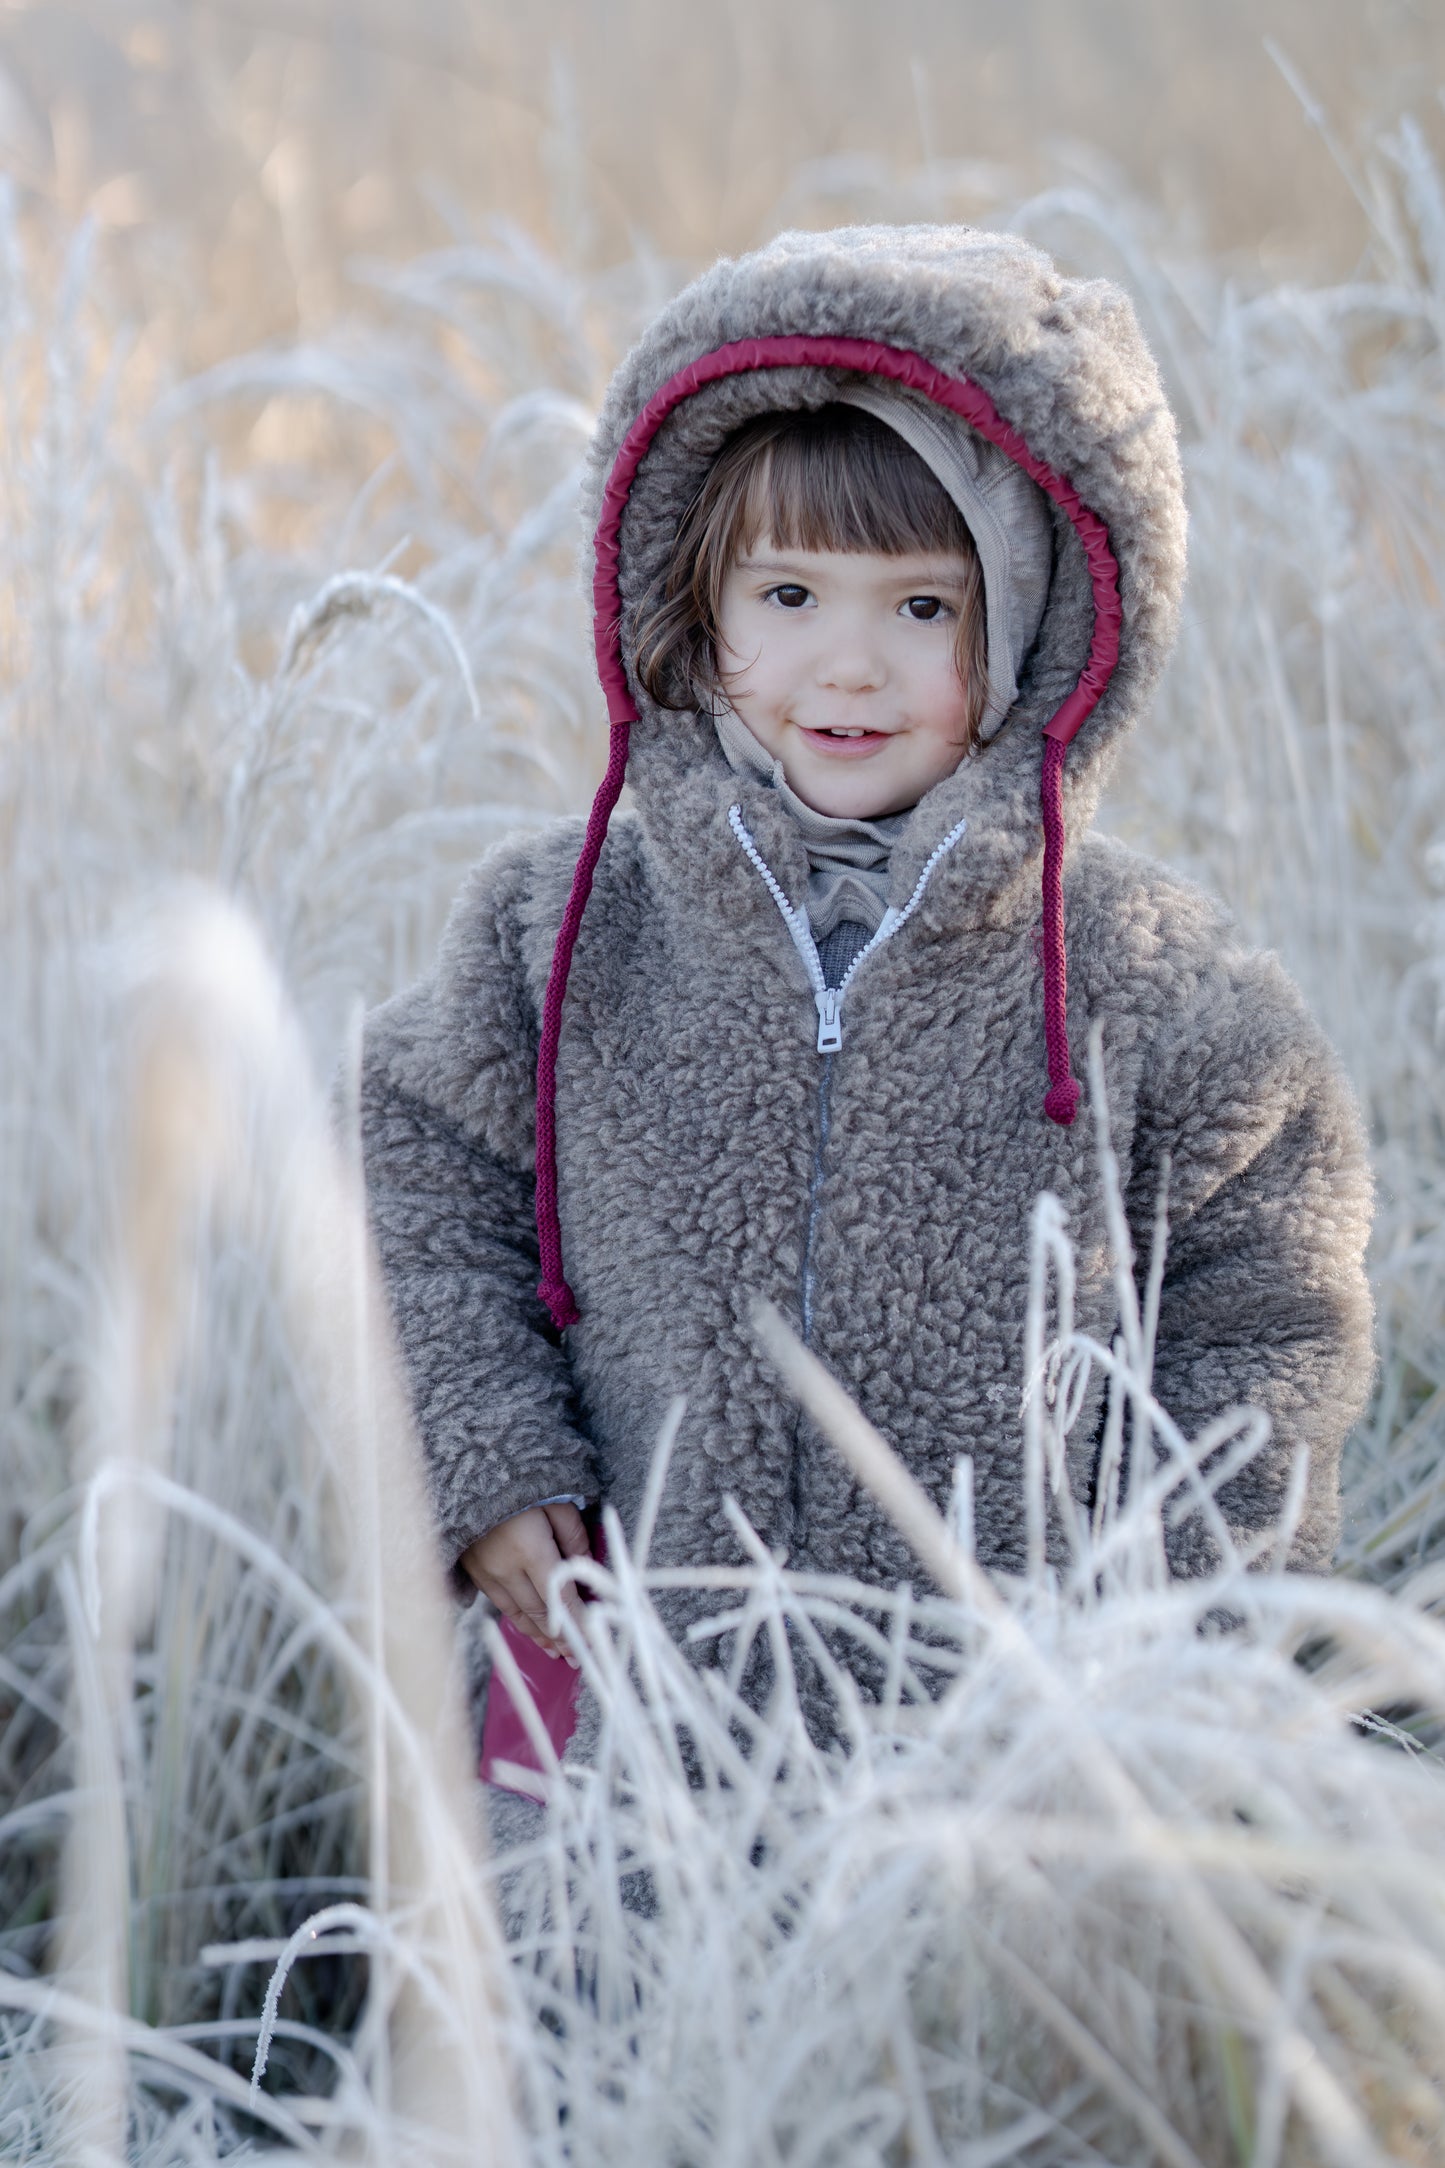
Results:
[830, 1020]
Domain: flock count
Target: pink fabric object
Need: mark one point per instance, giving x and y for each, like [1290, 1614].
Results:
[962, 396]
[555, 1689]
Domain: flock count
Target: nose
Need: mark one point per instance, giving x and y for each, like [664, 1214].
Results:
[852, 664]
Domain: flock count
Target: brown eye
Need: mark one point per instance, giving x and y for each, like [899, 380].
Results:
[923, 607]
[790, 595]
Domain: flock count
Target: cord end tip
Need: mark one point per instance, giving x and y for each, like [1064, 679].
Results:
[1061, 1101]
[561, 1304]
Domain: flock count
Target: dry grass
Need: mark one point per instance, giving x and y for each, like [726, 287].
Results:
[1126, 1892]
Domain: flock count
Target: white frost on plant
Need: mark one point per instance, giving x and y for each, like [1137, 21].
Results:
[1159, 1875]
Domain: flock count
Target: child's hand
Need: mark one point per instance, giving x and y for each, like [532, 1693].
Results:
[511, 1565]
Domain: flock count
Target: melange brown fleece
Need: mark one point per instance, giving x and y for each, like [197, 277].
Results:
[880, 1196]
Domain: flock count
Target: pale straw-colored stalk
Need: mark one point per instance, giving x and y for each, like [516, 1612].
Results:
[225, 1122]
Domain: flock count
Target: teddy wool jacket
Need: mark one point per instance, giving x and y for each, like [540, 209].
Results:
[879, 1192]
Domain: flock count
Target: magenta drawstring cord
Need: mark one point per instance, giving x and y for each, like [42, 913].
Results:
[865, 357]
[1062, 1096]
[554, 1290]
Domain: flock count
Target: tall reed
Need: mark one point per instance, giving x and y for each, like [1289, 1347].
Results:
[1133, 1887]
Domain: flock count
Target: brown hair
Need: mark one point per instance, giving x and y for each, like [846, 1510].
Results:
[830, 478]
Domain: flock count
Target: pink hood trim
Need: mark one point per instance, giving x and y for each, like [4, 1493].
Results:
[867, 358]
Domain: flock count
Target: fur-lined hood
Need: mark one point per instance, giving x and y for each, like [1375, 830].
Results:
[1062, 359]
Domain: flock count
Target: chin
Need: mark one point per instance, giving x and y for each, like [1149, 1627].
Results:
[855, 792]
[853, 806]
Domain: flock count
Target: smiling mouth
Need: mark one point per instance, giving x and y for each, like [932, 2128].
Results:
[846, 739]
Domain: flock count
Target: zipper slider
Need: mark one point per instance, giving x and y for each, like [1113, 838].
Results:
[830, 1020]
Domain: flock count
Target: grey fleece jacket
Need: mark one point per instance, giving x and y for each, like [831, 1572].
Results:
[708, 1154]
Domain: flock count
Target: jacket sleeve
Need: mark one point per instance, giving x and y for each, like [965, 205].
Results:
[448, 1147]
[1264, 1298]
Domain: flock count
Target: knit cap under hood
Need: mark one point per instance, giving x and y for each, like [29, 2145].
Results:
[1054, 377]
[1006, 514]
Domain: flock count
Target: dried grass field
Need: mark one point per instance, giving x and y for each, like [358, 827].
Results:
[303, 316]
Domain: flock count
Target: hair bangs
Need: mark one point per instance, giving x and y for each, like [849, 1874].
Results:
[842, 480]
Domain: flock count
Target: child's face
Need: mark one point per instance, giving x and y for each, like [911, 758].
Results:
[842, 664]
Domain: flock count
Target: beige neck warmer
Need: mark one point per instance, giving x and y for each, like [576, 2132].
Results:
[847, 859]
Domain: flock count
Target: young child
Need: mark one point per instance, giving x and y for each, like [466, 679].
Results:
[889, 523]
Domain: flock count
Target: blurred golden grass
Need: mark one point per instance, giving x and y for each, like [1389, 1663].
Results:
[252, 170]
[355, 279]
[240, 154]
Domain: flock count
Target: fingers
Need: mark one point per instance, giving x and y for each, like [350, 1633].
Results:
[571, 1539]
[568, 1529]
[513, 1563]
[517, 1598]
[529, 1617]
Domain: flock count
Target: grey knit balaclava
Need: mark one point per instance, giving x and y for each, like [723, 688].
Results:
[1004, 512]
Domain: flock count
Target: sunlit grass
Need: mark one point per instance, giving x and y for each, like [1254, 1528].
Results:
[306, 633]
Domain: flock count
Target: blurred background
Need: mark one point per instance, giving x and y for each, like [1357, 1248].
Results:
[242, 155]
[305, 309]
